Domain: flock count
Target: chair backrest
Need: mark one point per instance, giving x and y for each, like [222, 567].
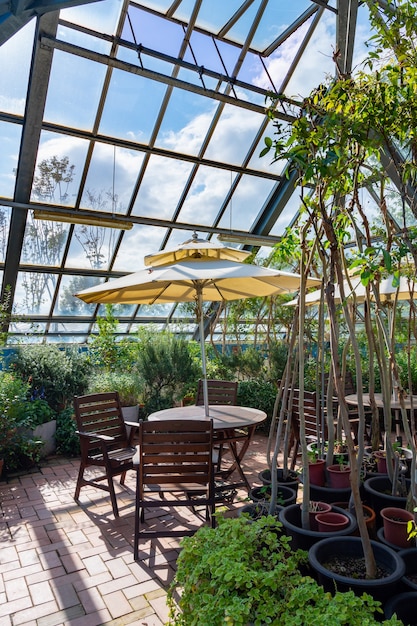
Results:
[219, 392]
[175, 452]
[310, 411]
[101, 414]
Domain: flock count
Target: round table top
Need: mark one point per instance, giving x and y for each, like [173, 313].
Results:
[224, 415]
[395, 404]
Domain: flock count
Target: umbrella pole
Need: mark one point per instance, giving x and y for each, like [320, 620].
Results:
[203, 348]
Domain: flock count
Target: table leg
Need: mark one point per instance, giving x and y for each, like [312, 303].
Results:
[232, 439]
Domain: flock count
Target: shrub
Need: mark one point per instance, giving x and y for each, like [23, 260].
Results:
[54, 375]
[245, 573]
[128, 385]
[67, 440]
[259, 394]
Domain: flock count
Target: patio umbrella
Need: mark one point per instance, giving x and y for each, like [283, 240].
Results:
[196, 271]
[387, 290]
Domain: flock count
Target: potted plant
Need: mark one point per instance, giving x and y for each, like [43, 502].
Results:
[244, 573]
[285, 495]
[339, 474]
[395, 525]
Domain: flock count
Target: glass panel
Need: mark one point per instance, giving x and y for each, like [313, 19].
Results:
[249, 196]
[131, 106]
[10, 135]
[111, 179]
[67, 303]
[44, 242]
[84, 40]
[233, 135]
[154, 32]
[5, 213]
[264, 164]
[104, 15]
[59, 165]
[136, 244]
[92, 247]
[277, 17]
[34, 292]
[186, 122]
[15, 59]
[214, 14]
[316, 62]
[161, 187]
[219, 57]
[288, 214]
[74, 82]
[27, 334]
[206, 196]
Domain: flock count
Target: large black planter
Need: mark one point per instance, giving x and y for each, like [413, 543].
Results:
[255, 510]
[304, 538]
[285, 495]
[404, 606]
[377, 490]
[329, 494]
[380, 588]
[409, 556]
[292, 480]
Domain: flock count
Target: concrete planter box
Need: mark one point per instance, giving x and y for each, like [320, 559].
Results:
[46, 432]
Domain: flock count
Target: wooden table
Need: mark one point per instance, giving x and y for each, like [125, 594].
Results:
[234, 427]
[379, 401]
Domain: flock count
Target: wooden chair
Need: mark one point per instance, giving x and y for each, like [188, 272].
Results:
[219, 392]
[175, 459]
[312, 425]
[104, 442]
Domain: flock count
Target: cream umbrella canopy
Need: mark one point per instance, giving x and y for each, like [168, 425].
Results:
[389, 288]
[196, 271]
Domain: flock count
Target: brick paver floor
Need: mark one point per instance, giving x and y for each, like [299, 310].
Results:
[63, 563]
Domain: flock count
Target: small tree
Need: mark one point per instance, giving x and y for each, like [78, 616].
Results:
[335, 147]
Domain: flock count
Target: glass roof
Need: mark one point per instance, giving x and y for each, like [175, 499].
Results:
[154, 111]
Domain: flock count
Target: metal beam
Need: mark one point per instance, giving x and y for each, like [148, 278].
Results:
[35, 105]
[14, 15]
[347, 15]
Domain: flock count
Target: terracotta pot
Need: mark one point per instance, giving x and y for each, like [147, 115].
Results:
[395, 522]
[303, 538]
[378, 493]
[319, 507]
[331, 521]
[381, 461]
[339, 476]
[370, 518]
[317, 472]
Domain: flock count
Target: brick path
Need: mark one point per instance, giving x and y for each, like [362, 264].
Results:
[66, 564]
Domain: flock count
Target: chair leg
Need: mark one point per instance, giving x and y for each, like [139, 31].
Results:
[113, 497]
[79, 481]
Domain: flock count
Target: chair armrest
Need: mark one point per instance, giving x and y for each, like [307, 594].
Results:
[94, 436]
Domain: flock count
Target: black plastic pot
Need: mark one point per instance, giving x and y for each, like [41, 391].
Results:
[409, 556]
[379, 588]
[377, 490]
[329, 494]
[255, 510]
[304, 538]
[285, 495]
[404, 606]
[292, 481]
